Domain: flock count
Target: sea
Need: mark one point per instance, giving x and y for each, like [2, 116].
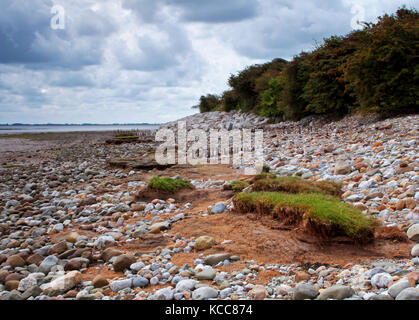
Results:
[11, 129]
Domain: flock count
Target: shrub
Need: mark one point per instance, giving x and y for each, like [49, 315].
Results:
[384, 73]
[271, 99]
[325, 90]
[169, 184]
[374, 70]
[208, 103]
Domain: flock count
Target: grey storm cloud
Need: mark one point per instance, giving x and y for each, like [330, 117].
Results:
[150, 60]
[26, 36]
[214, 11]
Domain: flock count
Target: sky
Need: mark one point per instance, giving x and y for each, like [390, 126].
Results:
[136, 61]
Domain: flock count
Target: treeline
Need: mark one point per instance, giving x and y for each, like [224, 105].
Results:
[373, 70]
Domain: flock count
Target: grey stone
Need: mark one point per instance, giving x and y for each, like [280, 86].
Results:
[305, 291]
[342, 167]
[213, 259]
[381, 297]
[187, 284]
[413, 232]
[139, 282]
[408, 294]
[161, 225]
[154, 281]
[47, 264]
[226, 292]
[372, 272]
[204, 293]
[26, 283]
[218, 208]
[337, 292]
[137, 266]
[381, 280]
[32, 292]
[12, 296]
[164, 294]
[398, 287]
[119, 285]
[415, 251]
[207, 274]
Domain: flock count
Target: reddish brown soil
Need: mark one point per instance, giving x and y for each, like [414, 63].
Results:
[253, 240]
[182, 196]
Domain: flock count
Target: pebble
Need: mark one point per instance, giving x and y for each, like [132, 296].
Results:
[398, 287]
[337, 292]
[214, 259]
[218, 208]
[381, 280]
[408, 294]
[413, 232]
[206, 274]
[119, 285]
[305, 291]
[204, 293]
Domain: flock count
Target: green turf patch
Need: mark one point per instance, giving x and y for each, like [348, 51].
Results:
[263, 175]
[169, 184]
[239, 186]
[321, 214]
[296, 185]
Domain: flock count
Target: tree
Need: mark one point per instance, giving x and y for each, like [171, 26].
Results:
[384, 73]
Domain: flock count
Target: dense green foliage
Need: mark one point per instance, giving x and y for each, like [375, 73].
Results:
[371, 70]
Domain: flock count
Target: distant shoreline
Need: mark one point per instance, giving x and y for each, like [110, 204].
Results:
[57, 128]
[75, 124]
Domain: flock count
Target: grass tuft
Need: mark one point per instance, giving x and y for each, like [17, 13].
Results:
[169, 184]
[320, 214]
[296, 185]
[239, 186]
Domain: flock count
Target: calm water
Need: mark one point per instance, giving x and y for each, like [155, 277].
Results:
[27, 129]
